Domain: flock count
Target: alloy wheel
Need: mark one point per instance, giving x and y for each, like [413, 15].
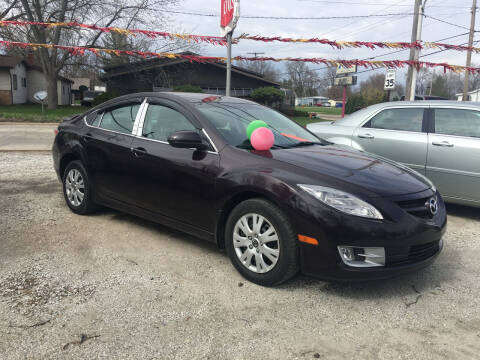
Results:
[256, 243]
[75, 187]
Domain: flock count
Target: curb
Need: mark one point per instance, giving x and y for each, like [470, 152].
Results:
[26, 123]
[24, 151]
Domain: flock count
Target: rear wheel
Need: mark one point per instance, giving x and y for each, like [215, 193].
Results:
[261, 243]
[77, 190]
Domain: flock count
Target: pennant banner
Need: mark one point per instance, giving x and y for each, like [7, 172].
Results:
[373, 64]
[217, 40]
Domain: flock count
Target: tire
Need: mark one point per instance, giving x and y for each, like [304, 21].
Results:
[273, 268]
[77, 190]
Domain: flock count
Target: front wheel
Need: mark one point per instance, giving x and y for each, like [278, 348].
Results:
[261, 243]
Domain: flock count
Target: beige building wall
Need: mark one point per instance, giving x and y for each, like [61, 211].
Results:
[5, 87]
[37, 82]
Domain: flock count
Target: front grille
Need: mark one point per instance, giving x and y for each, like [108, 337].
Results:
[417, 207]
[415, 254]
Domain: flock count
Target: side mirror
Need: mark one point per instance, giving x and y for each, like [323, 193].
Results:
[187, 140]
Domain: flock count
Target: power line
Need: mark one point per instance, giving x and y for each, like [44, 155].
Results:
[447, 22]
[343, 26]
[379, 4]
[290, 18]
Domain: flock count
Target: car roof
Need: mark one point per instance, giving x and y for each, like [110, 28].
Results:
[184, 97]
[358, 116]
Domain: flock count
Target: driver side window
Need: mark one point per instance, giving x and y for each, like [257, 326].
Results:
[162, 121]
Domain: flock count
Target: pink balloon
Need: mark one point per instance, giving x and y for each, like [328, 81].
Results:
[262, 139]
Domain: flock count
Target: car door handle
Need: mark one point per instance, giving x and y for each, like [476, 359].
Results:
[138, 152]
[443, 144]
[87, 137]
[366, 136]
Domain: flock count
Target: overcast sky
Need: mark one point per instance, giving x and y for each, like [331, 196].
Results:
[392, 28]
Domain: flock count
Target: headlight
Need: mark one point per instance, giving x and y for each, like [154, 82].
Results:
[342, 201]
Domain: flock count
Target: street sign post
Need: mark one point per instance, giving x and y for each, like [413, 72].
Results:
[230, 13]
[390, 78]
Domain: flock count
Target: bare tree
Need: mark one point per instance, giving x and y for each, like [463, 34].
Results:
[302, 80]
[126, 13]
[266, 69]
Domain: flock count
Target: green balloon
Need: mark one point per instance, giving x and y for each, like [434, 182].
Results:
[254, 125]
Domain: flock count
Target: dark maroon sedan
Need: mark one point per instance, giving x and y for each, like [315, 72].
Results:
[185, 160]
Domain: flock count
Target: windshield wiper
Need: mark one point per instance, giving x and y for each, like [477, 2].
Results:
[304, 143]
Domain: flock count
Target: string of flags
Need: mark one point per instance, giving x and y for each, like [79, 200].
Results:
[218, 40]
[79, 50]
[214, 40]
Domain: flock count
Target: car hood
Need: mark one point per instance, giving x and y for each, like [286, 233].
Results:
[377, 175]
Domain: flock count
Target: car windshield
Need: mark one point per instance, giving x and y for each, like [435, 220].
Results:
[232, 119]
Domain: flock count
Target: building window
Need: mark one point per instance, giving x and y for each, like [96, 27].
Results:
[14, 81]
[24, 82]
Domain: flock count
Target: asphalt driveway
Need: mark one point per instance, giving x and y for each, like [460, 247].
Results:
[114, 286]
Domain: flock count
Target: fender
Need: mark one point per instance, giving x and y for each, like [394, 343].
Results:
[340, 140]
[250, 184]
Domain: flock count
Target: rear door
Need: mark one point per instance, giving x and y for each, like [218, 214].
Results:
[108, 141]
[398, 134]
[453, 162]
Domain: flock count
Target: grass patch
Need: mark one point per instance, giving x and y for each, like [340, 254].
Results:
[304, 120]
[320, 110]
[33, 113]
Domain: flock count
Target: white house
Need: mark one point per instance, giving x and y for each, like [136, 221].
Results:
[19, 80]
[310, 101]
[472, 96]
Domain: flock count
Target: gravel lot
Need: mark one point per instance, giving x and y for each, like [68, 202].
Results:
[114, 286]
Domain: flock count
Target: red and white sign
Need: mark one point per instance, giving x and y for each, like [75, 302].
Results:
[230, 13]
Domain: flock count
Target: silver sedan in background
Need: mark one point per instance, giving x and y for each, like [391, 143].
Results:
[439, 139]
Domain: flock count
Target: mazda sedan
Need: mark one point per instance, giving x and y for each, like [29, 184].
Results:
[185, 161]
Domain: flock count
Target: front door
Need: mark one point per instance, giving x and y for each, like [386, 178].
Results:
[177, 183]
[397, 134]
[453, 162]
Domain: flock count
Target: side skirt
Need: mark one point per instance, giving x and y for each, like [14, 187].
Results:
[155, 217]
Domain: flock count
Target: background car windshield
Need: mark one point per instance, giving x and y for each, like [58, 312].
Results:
[231, 120]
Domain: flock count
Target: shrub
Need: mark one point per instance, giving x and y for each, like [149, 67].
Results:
[354, 103]
[188, 88]
[99, 99]
[267, 95]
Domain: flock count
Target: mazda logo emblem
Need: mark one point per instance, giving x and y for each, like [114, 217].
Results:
[433, 206]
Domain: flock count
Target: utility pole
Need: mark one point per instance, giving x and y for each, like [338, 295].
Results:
[414, 52]
[416, 10]
[255, 54]
[229, 64]
[469, 53]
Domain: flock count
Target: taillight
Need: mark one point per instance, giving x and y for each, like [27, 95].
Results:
[55, 131]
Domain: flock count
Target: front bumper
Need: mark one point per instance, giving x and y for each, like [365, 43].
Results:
[411, 243]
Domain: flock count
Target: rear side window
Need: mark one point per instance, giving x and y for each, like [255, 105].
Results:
[457, 122]
[93, 119]
[398, 119]
[120, 119]
[162, 121]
